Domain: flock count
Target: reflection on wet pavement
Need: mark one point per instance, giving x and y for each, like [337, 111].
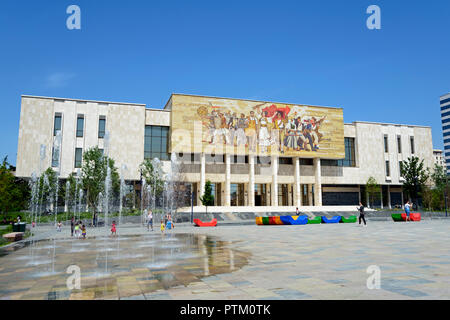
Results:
[113, 268]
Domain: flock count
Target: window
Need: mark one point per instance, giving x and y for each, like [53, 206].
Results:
[285, 161]
[386, 149]
[55, 157]
[238, 159]
[411, 139]
[101, 127]
[306, 162]
[57, 124]
[400, 166]
[102, 152]
[388, 169]
[80, 126]
[329, 163]
[399, 144]
[78, 157]
[349, 160]
[155, 142]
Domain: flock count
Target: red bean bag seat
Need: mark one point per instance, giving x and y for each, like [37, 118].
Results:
[200, 223]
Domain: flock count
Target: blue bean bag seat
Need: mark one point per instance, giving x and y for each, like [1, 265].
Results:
[294, 220]
[286, 220]
[335, 219]
[298, 220]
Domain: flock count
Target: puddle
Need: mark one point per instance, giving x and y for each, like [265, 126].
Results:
[148, 262]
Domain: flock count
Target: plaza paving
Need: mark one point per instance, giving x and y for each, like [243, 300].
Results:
[239, 262]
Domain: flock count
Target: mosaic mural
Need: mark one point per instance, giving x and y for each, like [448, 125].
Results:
[204, 124]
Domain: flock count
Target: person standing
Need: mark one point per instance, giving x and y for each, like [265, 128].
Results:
[72, 226]
[150, 220]
[407, 210]
[361, 214]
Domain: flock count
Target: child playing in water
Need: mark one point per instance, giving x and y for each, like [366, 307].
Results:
[77, 230]
[58, 226]
[83, 230]
[163, 226]
[113, 228]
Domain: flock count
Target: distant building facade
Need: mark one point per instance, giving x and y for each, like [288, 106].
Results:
[445, 117]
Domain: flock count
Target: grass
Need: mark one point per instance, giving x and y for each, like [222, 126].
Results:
[4, 230]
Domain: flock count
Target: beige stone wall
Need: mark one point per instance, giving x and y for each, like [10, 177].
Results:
[370, 155]
[35, 128]
[124, 122]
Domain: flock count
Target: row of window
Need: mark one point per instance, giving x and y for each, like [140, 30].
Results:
[78, 158]
[388, 168]
[80, 125]
[445, 101]
[399, 144]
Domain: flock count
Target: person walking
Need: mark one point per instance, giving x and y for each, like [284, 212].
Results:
[361, 214]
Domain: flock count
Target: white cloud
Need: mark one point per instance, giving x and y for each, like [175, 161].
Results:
[58, 80]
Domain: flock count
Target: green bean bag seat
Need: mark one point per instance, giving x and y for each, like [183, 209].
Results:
[351, 219]
[316, 220]
[399, 217]
[265, 220]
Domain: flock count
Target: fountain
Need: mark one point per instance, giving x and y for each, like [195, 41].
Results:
[57, 163]
[107, 194]
[80, 198]
[67, 198]
[122, 191]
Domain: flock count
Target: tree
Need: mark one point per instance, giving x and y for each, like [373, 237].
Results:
[415, 176]
[373, 190]
[434, 198]
[47, 186]
[6, 187]
[93, 175]
[207, 199]
[152, 173]
[14, 192]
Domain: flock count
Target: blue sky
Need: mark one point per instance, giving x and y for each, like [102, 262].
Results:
[306, 52]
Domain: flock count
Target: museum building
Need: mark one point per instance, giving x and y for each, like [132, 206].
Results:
[255, 153]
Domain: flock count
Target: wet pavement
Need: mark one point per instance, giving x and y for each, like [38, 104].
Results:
[236, 262]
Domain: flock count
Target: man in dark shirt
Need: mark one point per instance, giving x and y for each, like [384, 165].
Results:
[72, 226]
[361, 214]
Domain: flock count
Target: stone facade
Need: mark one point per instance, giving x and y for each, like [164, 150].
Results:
[300, 182]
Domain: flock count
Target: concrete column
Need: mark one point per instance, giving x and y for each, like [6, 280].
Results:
[274, 181]
[381, 197]
[297, 189]
[318, 184]
[289, 194]
[368, 200]
[389, 196]
[310, 197]
[251, 180]
[268, 194]
[202, 177]
[227, 180]
[403, 201]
